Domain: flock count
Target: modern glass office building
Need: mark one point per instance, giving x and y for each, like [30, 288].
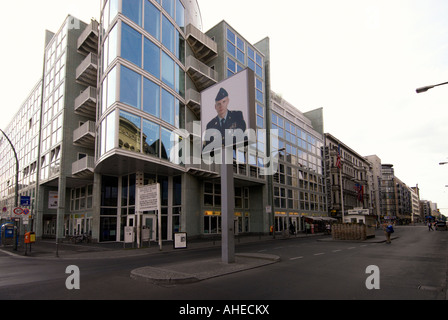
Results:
[104, 120]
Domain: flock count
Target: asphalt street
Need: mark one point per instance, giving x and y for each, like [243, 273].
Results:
[413, 267]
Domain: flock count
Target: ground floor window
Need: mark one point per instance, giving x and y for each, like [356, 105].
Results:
[213, 224]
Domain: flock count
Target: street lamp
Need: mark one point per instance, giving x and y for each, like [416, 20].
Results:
[424, 89]
[16, 197]
[443, 163]
[16, 194]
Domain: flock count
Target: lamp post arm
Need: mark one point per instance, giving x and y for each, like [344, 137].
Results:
[16, 198]
[424, 89]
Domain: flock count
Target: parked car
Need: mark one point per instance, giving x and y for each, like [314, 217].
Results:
[441, 225]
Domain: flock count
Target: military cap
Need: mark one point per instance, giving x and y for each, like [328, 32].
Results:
[221, 94]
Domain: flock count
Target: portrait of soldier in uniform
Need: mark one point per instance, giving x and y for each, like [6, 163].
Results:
[226, 119]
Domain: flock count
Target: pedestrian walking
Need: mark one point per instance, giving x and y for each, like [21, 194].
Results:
[430, 226]
[388, 230]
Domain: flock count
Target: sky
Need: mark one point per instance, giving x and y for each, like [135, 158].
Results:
[359, 60]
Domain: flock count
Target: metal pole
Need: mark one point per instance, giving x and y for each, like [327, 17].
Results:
[16, 193]
[16, 199]
[228, 204]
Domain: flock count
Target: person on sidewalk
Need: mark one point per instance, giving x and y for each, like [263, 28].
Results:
[430, 226]
[389, 229]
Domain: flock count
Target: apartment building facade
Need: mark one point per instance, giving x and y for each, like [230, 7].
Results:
[347, 177]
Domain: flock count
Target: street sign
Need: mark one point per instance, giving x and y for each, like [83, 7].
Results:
[26, 211]
[18, 211]
[4, 209]
[25, 201]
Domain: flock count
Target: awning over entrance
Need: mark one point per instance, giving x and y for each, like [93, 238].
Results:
[320, 218]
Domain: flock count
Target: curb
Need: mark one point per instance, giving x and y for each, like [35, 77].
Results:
[202, 269]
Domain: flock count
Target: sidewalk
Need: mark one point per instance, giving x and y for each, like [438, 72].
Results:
[47, 249]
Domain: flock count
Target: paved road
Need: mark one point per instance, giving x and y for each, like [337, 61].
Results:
[414, 266]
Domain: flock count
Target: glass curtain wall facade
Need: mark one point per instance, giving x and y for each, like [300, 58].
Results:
[142, 102]
[299, 184]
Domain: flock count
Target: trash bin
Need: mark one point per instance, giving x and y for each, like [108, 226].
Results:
[30, 237]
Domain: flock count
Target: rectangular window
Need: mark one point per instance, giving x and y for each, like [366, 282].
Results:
[180, 14]
[131, 45]
[130, 87]
[152, 58]
[168, 140]
[168, 5]
[151, 138]
[152, 20]
[130, 132]
[133, 10]
[168, 107]
[151, 98]
[109, 132]
[167, 70]
[168, 34]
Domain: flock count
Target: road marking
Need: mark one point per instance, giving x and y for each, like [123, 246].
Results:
[337, 251]
[364, 245]
[296, 258]
[262, 251]
[319, 254]
[278, 248]
[351, 248]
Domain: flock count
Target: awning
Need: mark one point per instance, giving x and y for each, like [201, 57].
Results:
[321, 218]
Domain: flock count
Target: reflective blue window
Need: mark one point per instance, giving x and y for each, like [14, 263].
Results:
[131, 45]
[231, 65]
[168, 34]
[152, 20]
[167, 70]
[130, 87]
[133, 10]
[259, 71]
[151, 98]
[168, 110]
[151, 138]
[152, 58]
[168, 5]
[180, 14]
[231, 48]
[240, 52]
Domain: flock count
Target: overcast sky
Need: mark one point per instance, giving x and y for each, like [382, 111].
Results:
[359, 60]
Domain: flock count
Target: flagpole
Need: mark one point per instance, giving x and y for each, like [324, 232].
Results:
[339, 165]
[342, 194]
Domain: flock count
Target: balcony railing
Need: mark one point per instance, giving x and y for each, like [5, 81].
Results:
[88, 40]
[84, 167]
[202, 75]
[87, 71]
[204, 48]
[85, 103]
[193, 99]
[84, 136]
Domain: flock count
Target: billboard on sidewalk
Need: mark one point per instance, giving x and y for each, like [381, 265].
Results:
[230, 104]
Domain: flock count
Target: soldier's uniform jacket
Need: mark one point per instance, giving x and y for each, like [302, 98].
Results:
[234, 120]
